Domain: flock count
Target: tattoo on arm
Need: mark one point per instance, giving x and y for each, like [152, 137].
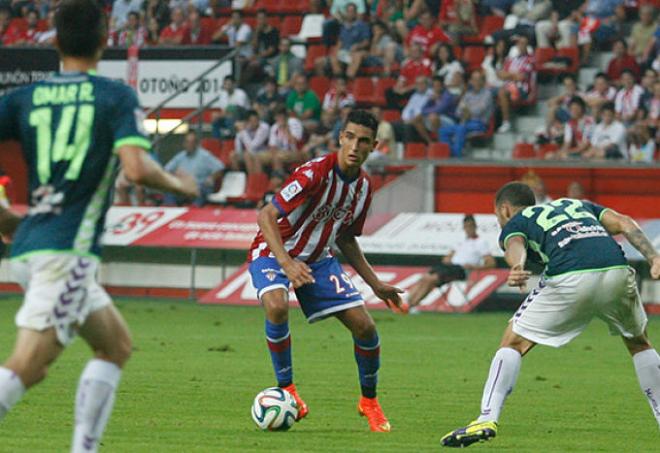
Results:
[639, 240]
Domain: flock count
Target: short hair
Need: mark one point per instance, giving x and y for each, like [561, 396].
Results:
[263, 11]
[237, 11]
[602, 75]
[81, 28]
[229, 77]
[579, 101]
[251, 113]
[363, 118]
[515, 193]
[569, 76]
[438, 78]
[608, 106]
[629, 72]
[469, 218]
[622, 41]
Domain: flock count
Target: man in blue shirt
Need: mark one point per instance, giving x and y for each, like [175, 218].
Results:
[74, 129]
[354, 36]
[586, 275]
[200, 164]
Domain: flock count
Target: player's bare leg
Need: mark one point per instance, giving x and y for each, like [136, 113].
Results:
[504, 370]
[278, 337]
[27, 366]
[367, 356]
[107, 334]
[647, 366]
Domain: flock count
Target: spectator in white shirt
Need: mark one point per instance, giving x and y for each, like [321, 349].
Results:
[120, 10]
[628, 97]
[238, 34]
[251, 144]
[608, 140]
[471, 254]
[285, 135]
[338, 96]
[417, 101]
[233, 102]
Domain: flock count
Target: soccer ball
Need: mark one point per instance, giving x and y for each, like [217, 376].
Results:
[274, 409]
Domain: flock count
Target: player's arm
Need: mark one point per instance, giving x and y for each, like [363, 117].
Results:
[140, 169]
[351, 249]
[616, 223]
[297, 272]
[515, 256]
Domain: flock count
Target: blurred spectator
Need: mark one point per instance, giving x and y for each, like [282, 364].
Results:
[133, 33]
[522, 20]
[648, 80]
[384, 51]
[642, 32]
[561, 28]
[47, 37]
[285, 135]
[354, 37]
[600, 93]
[233, 102]
[609, 137]
[158, 10]
[176, 32]
[494, 63]
[284, 65]
[251, 143]
[385, 135]
[120, 10]
[459, 17]
[417, 101]
[446, 66]
[338, 9]
[391, 12]
[198, 33]
[427, 34]
[321, 141]
[267, 100]
[474, 111]
[304, 103]
[416, 65]
[654, 106]
[198, 162]
[558, 106]
[537, 185]
[621, 60]
[238, 34]
[518, 75]
[439, 110]
[5, 18]
[338, 96]
[24, 36]
[605, 16]
[153, 31]
[628, 98]
[264, 41]
[577, 133]
[274, 186]
[471, 254]
[576, 191]
[498, 7]
[642, 145]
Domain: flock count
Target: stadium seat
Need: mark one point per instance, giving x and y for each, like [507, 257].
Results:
[363, 90]
[233, 186]
[256, 187]
[439, 151]
[213, 145]
[473, 56]
[381, 86]
[290, 25]
[391, 115]
[297, 7]
[458, 52]
[319, 85]
[272, 6]
[547, 148]
[574, 54]
[311, 28]
[314, 52]
[415, 151]
[486, 25]
[524, 151]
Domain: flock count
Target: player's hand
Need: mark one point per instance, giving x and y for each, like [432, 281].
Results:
[655, 268]
[389, 295]
[518, 277]
[188, 187]
[298, 273]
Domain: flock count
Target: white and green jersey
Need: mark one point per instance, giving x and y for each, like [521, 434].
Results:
[69, 127]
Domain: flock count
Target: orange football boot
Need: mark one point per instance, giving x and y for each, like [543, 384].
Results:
[303, 410]
[369, 407]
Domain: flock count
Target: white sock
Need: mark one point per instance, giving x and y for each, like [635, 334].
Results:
[94, 401]
[11, 390]
[502, 377]
[647, 366]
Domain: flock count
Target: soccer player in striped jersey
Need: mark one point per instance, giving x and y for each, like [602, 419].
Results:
[324, 203]
[74, 128]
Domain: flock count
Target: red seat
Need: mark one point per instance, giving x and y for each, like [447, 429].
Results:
[363, 90]
[473, 56]
[213, 145]
[256, 187]
[574, 54]
[524, 151]
[486, 25]
[547, 148]
[439, 151]
[319, 85]
[290, 25]
[392, 115]
[379, 90]
[314, 52]
[415, 151]
[458, 52]
[297, 7]
[272, 6]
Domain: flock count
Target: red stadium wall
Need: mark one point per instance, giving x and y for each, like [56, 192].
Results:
[11, 161]
[634, 191]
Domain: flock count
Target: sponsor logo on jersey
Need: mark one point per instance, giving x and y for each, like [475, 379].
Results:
[337, 213]
[291, 190]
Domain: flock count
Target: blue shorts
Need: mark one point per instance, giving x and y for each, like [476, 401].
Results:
[332, 292]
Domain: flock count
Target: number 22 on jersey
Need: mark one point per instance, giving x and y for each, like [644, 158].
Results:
[556, 212]
[60, 148]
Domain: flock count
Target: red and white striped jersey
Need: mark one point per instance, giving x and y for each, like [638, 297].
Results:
[522, 64]
[317, 204]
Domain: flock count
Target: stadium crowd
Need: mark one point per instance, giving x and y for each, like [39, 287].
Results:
[437, 72]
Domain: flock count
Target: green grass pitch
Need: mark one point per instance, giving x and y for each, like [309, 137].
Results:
[195, 370]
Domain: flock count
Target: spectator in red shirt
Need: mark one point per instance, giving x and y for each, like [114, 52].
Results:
[198, 33]
[459, 16]
[5, 19]
[416, 65]
[176, 32]
[24, 36]
[427, 34]
[622, 60]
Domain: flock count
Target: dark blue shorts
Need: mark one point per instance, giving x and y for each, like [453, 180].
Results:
[332, 292]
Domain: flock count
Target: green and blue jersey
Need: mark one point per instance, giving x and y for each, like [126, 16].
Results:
[69, 127]
[565, 236]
